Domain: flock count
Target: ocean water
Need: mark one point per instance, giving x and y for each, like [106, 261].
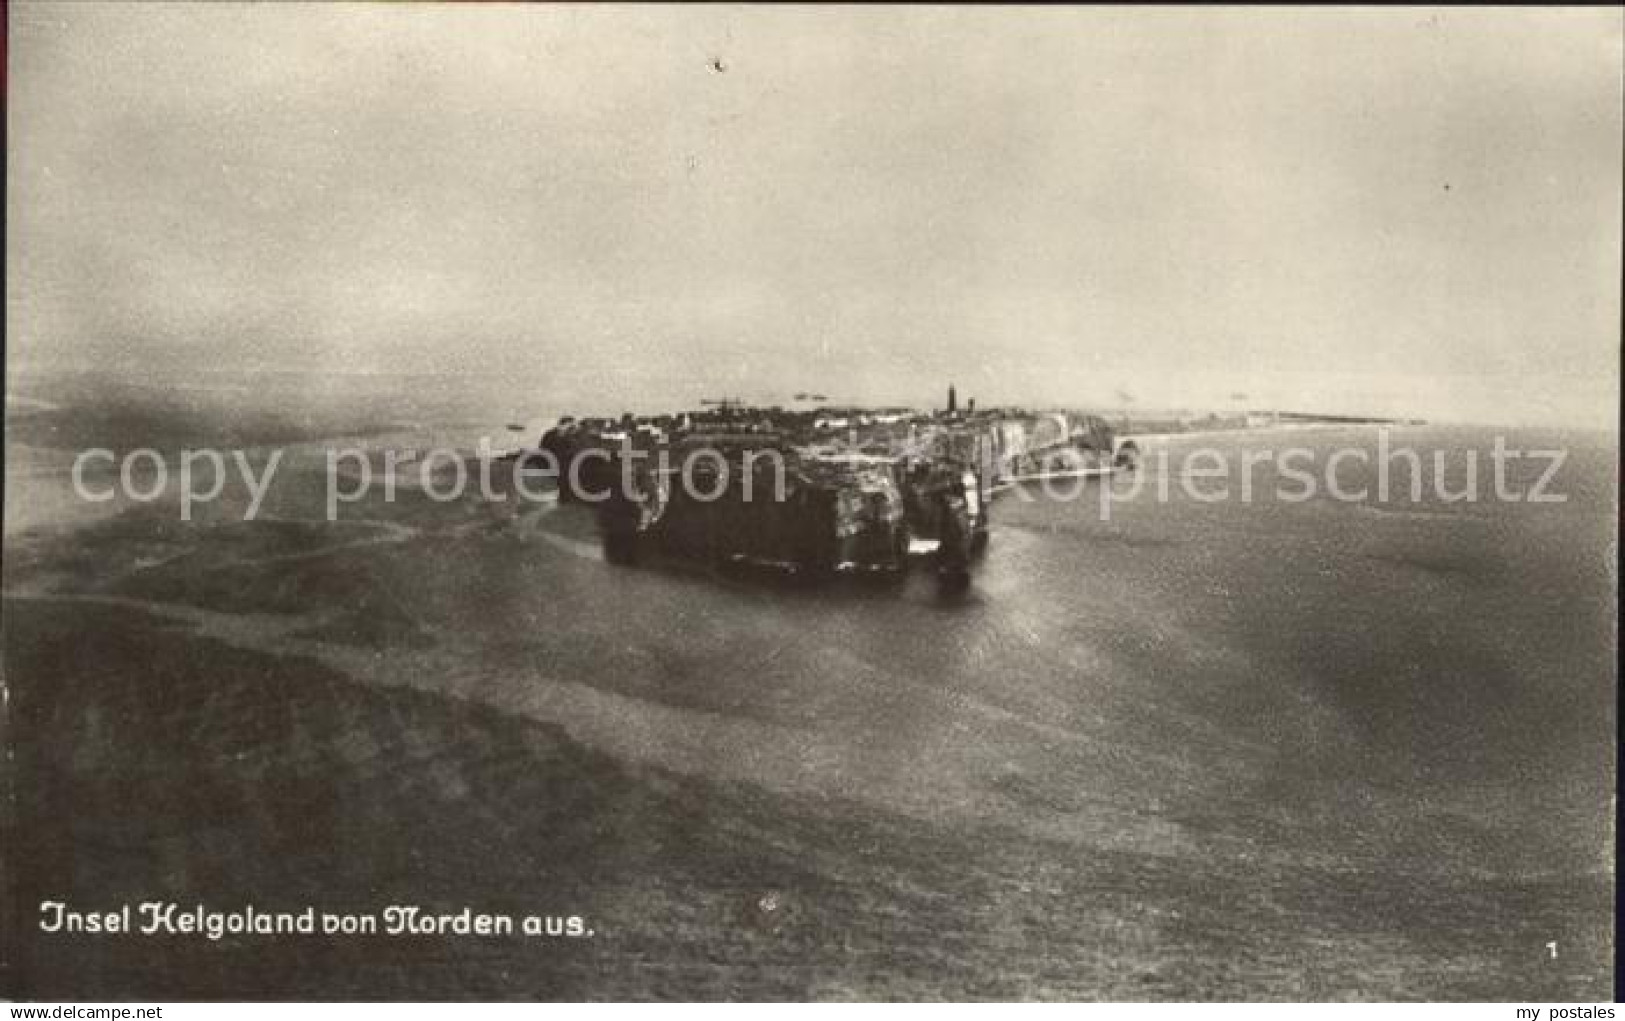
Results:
[1220, 725]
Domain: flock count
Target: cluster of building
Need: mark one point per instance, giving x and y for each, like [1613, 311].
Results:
[856, 488]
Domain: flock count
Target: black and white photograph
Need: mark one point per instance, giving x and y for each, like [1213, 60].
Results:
[638, 502]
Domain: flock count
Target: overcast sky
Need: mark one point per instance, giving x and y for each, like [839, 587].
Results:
[1377, 210]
